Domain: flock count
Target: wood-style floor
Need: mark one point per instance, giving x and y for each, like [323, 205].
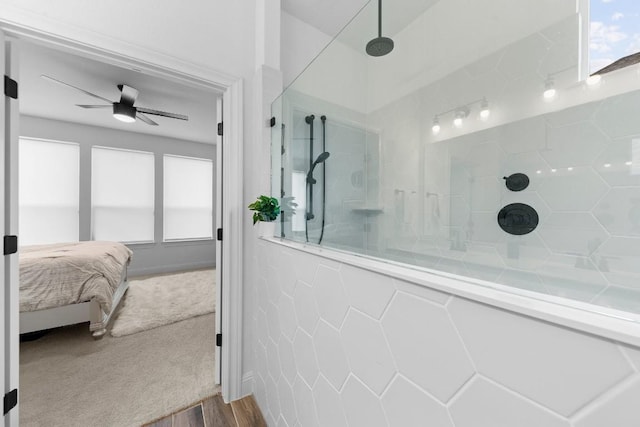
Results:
[213, 412]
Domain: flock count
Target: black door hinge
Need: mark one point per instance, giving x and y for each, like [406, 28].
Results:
[218, 340]
[220, 129]
[219, 232]
[10, 245]
[272, 122]
[10, 87]
[10, 401]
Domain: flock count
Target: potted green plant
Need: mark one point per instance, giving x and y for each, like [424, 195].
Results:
[265, 211]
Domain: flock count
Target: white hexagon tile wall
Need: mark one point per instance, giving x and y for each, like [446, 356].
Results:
[335, 345]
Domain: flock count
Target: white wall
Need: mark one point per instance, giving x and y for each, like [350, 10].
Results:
[148, 258]
[300, 44]
[207, 35]
[340, 346]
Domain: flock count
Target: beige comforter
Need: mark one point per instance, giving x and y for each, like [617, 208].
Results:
[68, 273]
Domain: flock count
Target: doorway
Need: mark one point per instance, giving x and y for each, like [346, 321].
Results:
[232, 94]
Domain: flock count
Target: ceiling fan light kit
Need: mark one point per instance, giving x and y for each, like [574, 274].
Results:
[124, 113]
[124, 109]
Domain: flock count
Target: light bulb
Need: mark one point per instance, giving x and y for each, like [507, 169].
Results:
[124, 118]
[436, 126]
[549, 93]
[461, 114]
[549, 90]
[484, 110]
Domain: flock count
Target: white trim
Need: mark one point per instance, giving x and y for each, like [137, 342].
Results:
[11, 275]
[114, 51]
[612, 324]
[247, 383]
[117, 52]
[232, 247]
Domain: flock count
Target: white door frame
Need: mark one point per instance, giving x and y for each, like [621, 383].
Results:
[161, 65]
[9, 220]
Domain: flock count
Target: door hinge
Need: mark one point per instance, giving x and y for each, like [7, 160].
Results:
[220, 128]
[272, 122]
[10, 245]
[10, 401]
[10, 87]
[218, 340]
[219, 232]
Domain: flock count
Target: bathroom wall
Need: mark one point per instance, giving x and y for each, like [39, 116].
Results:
[340, 346]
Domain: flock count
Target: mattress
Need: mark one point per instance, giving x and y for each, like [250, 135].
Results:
[68, 273]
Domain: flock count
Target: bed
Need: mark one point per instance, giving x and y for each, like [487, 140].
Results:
[68, 283]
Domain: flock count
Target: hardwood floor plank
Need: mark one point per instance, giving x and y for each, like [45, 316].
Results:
[217, 413]
[191, 417]
[247, 413]
[163, 422]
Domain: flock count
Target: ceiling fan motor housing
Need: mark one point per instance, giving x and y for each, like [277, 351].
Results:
[124, 112]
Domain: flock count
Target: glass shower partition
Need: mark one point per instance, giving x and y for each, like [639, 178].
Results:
[477, 149]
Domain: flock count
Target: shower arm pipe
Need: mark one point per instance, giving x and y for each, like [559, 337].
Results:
[379, 18]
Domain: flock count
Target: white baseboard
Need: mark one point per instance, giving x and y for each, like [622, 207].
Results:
[247, 383]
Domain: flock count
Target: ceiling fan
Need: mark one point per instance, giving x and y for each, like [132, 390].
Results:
[123, 110]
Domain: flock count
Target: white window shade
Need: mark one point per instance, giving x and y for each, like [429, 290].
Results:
[122, 195]
[188, 198]
[48, 191]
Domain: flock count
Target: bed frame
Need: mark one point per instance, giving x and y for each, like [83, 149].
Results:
[31, 321]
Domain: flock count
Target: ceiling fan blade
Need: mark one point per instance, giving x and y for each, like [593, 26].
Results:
[162, 113]
[74, 87]
[146, 119]
[93, 106]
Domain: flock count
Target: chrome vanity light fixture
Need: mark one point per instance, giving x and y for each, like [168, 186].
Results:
[436, 126]
[459, 116]
[460, 113]
[549, 89]
[485, 112]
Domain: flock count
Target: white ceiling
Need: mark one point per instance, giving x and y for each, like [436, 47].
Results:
[43, 98]
[330, 16]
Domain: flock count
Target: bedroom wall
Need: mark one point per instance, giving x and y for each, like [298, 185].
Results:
[148, 258]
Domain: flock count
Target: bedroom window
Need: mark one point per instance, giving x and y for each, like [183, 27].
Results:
[188, 198]
[122, 195]
[48, 200]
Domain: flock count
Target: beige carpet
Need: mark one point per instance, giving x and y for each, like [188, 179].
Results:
[161, 300]
[68, 379]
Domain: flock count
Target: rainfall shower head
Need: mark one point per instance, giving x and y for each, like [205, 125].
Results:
[321, 158]
[379, 46]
